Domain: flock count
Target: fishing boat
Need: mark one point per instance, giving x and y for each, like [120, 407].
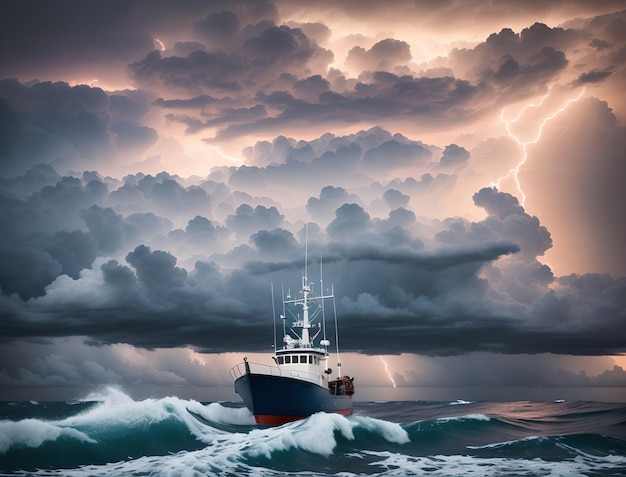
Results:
[300, 381]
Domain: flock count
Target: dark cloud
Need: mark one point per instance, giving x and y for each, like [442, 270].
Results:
[281, 75]
[184, 48]
[330, 198]
[350, 221]
[64, 126]
[168, 195]
[277, 75]
[281, 45]
[594, 76]
[157, 271]
[395, 199]
[273, 51]
[197, 102]
[217, 27]
[394, 155]
[78, 30]
[202, 230]
[454, 155]
[161, 261]
[383, 95]
[462, 296]
[130, 137]
[74, 251]
[145, 226]
[26, 270]
[247, 220]
[35, 179]
[402, 217]
[312, 87]
[383, 56]
[517, 64]
[509, 220]
[199, 71]
[222, 116]
[439, 261]
[105, 226]
[276, 243]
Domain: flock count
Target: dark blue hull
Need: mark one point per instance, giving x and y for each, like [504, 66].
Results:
[274, 400]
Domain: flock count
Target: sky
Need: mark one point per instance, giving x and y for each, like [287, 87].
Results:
[460, 165]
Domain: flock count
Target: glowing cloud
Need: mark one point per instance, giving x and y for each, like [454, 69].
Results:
[507, 122]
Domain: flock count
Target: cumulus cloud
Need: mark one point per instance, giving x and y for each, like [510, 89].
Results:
[64, 126]
[98, 245]
[454, 155]
[383, 56]
[479, 277]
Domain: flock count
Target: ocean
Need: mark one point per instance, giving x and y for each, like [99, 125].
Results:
[115, 435]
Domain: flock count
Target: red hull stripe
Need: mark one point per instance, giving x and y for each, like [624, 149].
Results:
[275, 420]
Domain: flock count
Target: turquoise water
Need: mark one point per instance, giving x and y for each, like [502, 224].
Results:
[170, 436]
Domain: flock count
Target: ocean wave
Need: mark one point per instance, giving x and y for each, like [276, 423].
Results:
[115, 427]
[116, 435]
[33, 433]
[220, 414]
[319, 433]
[466, 417]
[400, 465]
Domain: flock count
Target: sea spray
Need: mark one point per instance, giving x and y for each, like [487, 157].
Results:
[117, 435]
[33, 433]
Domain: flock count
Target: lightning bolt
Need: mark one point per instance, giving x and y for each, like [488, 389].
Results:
[160, 44]
[387, 371]
[524, 144]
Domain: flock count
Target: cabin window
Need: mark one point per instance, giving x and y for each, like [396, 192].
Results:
[310, 359]
[287, 359]
[303, 359]
[280, 360]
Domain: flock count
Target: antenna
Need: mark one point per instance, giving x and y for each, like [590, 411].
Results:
[283, 316]
[306, 251]
[336, 331]
[273, 315]
[322, 300]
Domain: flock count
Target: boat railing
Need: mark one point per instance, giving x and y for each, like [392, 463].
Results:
[257, 368]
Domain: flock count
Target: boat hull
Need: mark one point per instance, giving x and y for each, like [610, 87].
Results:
[275, 400]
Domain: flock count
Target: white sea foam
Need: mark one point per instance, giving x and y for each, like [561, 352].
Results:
[466, 417]
[459, 402]
[400, 465]
[216, 412]
[308, 447]
[33, 433]
[315, 434]
[116, 408]
[224, 460]
[391, 431]
[499, 445]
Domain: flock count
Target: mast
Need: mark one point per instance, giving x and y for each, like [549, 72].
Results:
[303, 322]
[306, 289]
[273, 316]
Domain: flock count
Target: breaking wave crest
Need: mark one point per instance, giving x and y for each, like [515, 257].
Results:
[111, 434]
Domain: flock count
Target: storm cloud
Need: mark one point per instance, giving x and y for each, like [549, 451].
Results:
[456, 169]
